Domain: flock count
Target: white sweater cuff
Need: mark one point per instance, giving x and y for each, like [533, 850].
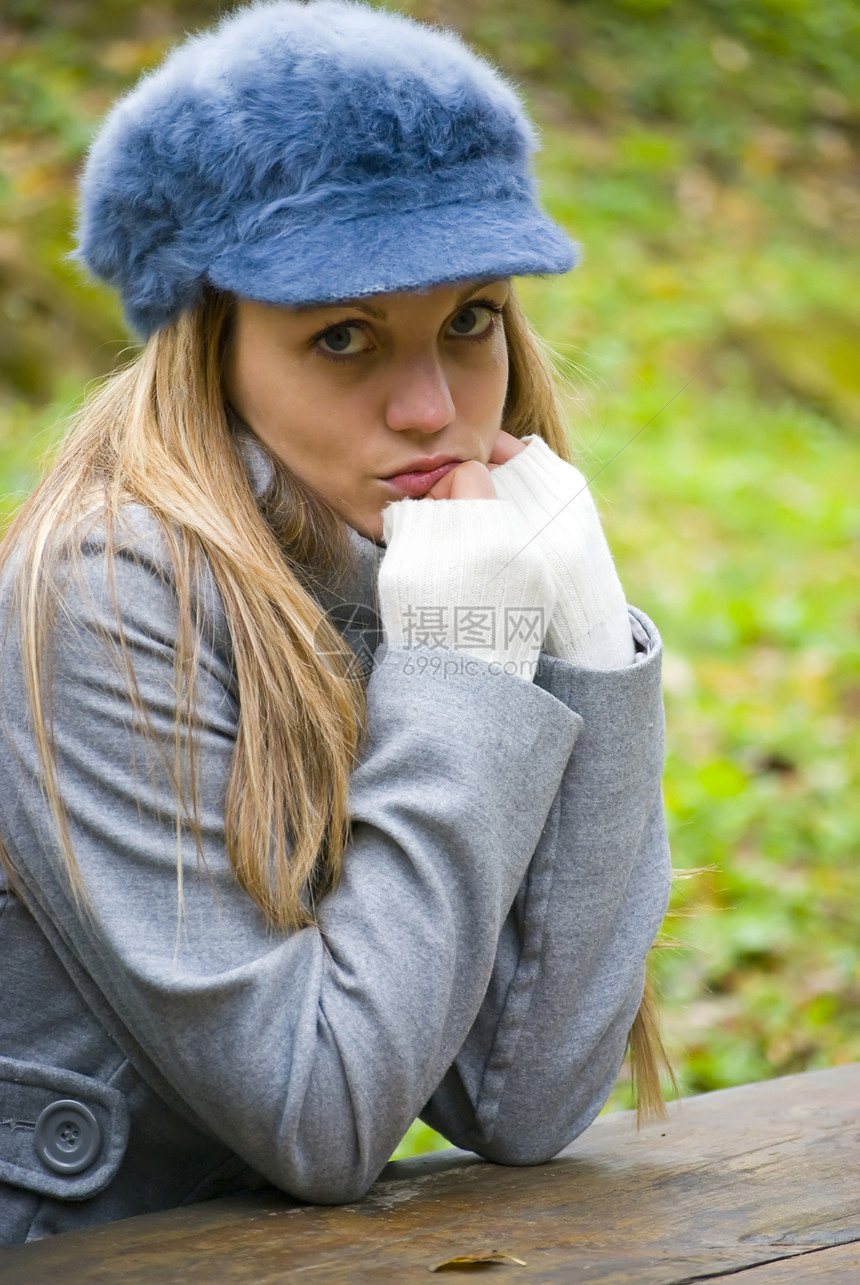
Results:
[590, 625]
[462, 574]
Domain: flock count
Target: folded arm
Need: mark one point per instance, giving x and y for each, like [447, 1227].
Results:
[540, 1060]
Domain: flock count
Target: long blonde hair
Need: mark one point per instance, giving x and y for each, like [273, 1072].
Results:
[158, 433]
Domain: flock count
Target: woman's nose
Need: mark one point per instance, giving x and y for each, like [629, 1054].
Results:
[420, 399]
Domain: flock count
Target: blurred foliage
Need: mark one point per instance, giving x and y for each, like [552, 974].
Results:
[705, 153]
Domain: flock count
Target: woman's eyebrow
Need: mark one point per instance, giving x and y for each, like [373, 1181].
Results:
[361, 305]
[357, 305]
[472, 286]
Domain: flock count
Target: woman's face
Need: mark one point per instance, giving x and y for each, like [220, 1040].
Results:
[350, 395]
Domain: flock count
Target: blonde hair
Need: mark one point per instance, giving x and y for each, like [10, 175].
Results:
[158, 433]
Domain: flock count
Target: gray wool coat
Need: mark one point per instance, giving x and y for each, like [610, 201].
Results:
[480, 963]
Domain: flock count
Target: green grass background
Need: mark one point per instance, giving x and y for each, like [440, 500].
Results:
[706, 156]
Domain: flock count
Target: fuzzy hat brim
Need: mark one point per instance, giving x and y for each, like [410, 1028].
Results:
[410, 250]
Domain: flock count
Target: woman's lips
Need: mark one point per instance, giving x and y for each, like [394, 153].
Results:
[416, 484]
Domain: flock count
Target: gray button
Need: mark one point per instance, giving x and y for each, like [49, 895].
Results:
[67, 1136]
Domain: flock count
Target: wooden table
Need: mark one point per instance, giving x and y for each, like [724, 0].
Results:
[760, 1183]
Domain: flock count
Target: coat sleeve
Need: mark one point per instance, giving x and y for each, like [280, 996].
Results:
[541, 1057]
[307, 1053]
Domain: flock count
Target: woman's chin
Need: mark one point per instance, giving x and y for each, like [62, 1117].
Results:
[368, 525]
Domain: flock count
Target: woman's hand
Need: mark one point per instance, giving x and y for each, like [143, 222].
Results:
[443, 558]
[468, 481]
[471, 479]
[505, 448]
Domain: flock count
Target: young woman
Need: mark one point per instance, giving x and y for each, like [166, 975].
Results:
[330, 753]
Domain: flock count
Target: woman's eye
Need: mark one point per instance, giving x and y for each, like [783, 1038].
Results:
[472, 322]
[343, 340]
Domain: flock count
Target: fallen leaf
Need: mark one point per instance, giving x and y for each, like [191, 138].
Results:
[472, 1262]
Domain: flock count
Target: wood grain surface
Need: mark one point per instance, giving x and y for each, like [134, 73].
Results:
[764, 1178]
[831, 1265]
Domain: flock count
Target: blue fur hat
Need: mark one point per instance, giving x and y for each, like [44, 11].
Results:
[306, 153]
